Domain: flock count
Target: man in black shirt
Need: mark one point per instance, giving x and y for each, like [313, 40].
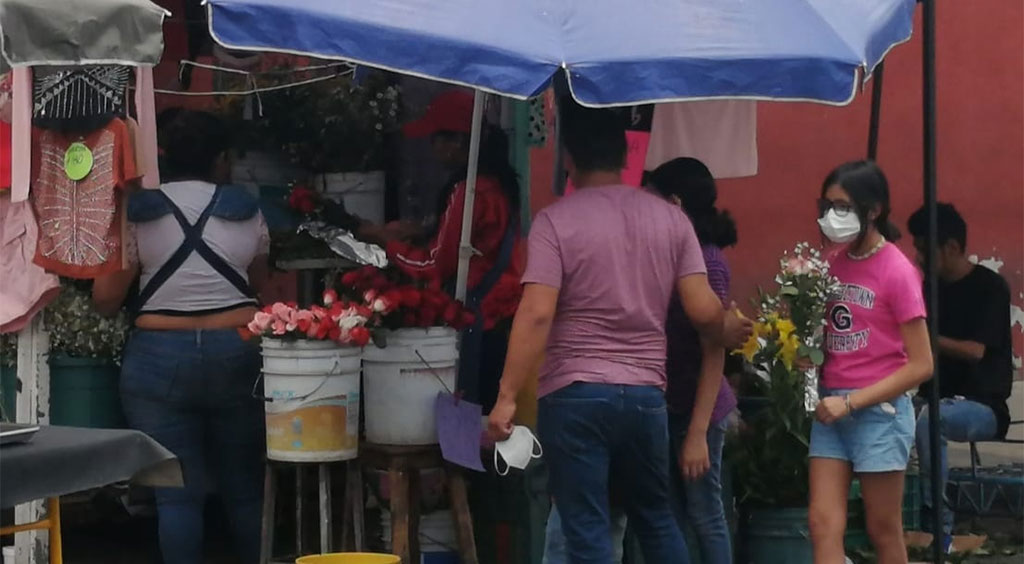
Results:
[975, 347]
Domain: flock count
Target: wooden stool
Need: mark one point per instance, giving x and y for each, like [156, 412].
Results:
[352, 520]
[403, 464]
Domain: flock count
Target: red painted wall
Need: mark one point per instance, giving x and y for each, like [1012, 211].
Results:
[980, 58]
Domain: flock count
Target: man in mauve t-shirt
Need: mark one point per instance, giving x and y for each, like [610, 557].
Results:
[602, 266]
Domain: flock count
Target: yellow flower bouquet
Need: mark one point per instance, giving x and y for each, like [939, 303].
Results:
[785, 351]
[790, 322]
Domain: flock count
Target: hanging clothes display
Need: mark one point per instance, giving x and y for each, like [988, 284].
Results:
[145, 110]
[721, 133]
[5, 155]
[66, 95]
[6, 112]
[21, 136]
[75, 194]
[27, 288]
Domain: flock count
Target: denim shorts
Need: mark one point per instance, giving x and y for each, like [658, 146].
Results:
[873, 439]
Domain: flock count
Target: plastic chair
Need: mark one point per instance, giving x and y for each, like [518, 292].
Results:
[976, 459]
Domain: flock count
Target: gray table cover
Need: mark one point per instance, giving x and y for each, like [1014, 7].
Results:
[64, 460]
[70, 32]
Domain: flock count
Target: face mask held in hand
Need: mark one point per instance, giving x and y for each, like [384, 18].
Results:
[517, 450]
[840, 229]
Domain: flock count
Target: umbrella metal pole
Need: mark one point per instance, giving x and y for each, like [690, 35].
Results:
[876, 111]
[466, 250]
[928, 107]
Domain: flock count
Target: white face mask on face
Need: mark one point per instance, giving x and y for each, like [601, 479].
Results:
[840, 229]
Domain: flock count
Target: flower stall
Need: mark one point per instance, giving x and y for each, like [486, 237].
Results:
[522, 63]
[401, 335]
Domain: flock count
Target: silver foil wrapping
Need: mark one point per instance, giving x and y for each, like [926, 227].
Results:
[345, 245]
[811, 376]
[811, 389]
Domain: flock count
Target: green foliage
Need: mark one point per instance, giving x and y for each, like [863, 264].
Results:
[769, 455]
[334, 125]
[77, 329]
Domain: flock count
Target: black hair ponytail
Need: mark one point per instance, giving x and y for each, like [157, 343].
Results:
[494, 155]
[721, 229]
[690, 181]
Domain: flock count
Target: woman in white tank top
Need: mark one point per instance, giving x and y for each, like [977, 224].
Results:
[187, 376]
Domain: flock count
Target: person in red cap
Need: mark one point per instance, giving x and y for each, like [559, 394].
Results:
[495, 270]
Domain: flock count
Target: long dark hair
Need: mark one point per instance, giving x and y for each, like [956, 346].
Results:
[868, 188]
[690, 180]
[493, 161]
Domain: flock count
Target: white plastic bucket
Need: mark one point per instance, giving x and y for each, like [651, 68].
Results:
[362, 192]
[313, 408]
[259, 168]
[401, 382]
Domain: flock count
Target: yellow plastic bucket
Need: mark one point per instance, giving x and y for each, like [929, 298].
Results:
[350, 558]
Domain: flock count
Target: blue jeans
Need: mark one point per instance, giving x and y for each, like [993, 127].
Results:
[962, 421]
[555, 549]
[191, 391]
[698, 503]
[590, 431]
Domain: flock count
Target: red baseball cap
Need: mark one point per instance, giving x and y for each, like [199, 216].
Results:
[448, 111]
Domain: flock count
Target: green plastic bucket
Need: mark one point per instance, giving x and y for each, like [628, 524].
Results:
[912, 502]
[84, 392]
[8, 390]
[777, 536]
[856, 523]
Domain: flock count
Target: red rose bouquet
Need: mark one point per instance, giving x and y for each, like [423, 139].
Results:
[338, 321]
[395, 303]
[302, 199]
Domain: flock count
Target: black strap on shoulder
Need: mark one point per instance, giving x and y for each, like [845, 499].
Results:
[193, 242]
[508, 242]
[471, 350]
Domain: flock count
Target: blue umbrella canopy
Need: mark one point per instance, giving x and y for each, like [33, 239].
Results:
[614, 52]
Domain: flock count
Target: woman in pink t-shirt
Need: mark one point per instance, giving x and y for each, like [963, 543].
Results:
[877, 350]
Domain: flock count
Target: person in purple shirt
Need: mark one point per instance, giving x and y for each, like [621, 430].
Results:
[602, 267]
[698, 400]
